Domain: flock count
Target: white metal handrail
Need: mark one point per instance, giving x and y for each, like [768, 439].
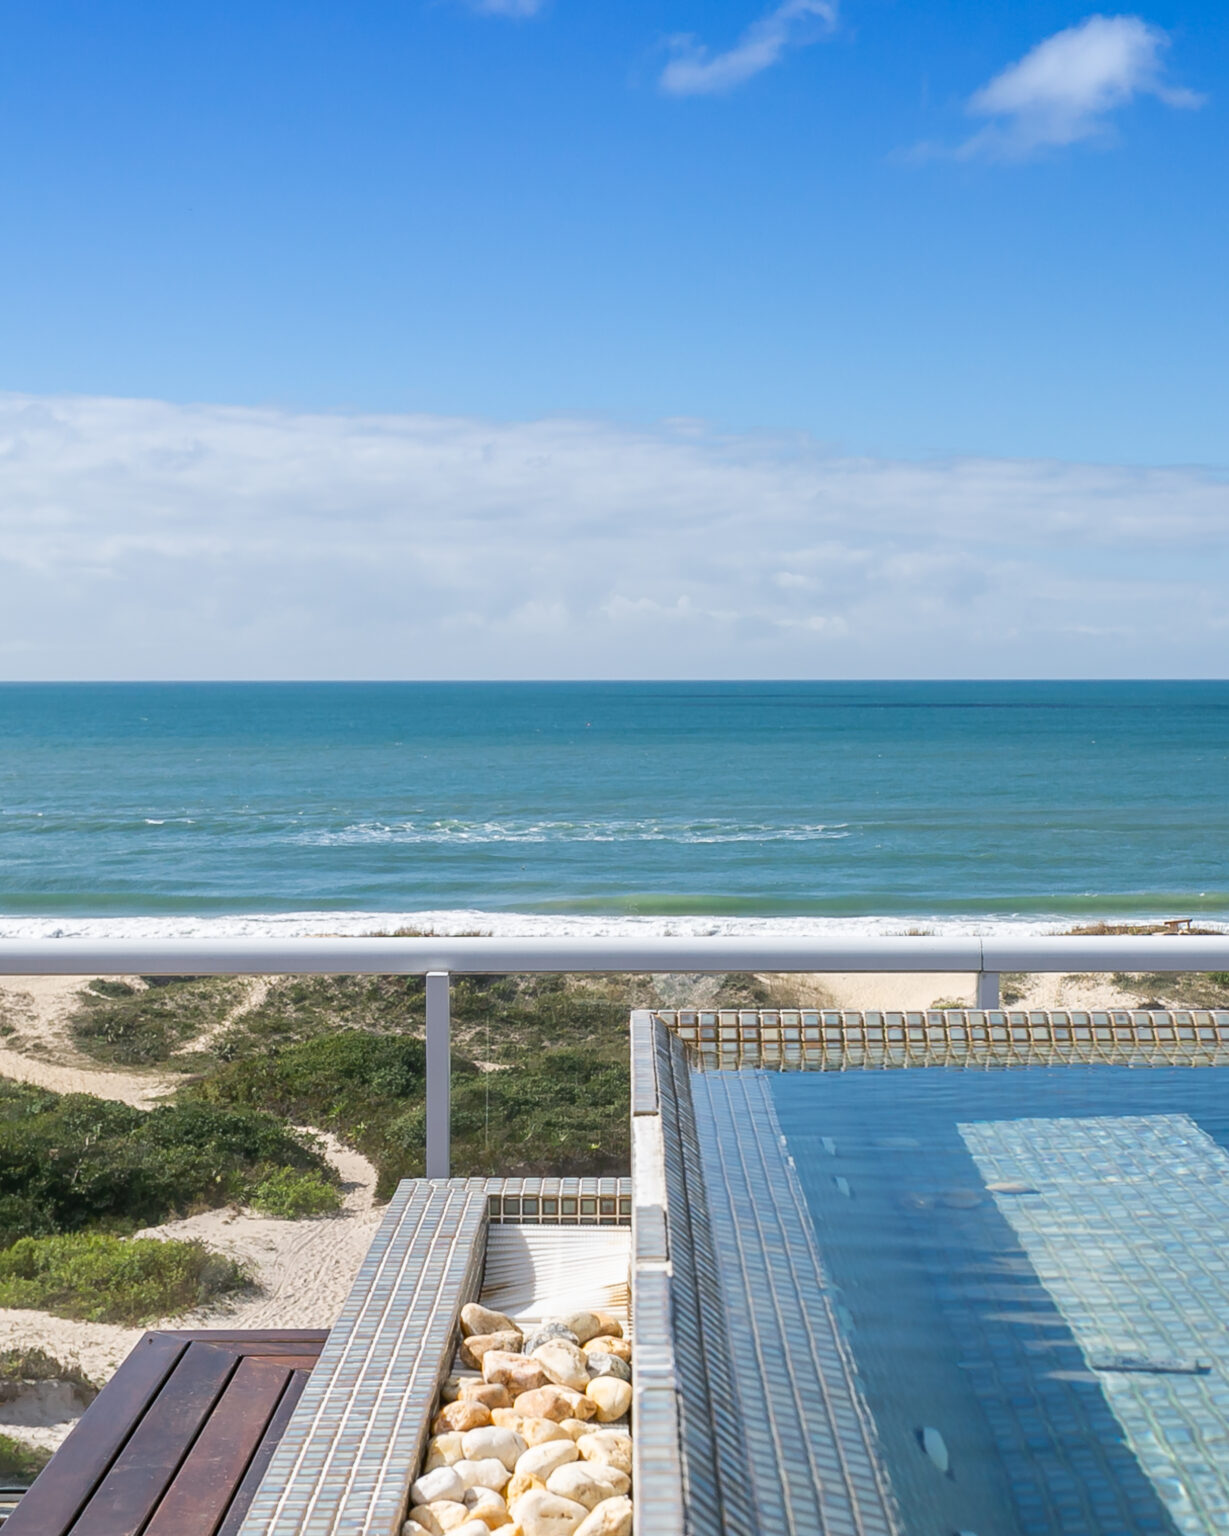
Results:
[480, 956]
[439, 958]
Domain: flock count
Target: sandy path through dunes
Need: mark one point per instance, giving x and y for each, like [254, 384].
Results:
[41, 1050]
[305, 1268]
[143, 1092]
[254, 993]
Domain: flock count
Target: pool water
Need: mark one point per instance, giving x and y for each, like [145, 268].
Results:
[1030, 1269]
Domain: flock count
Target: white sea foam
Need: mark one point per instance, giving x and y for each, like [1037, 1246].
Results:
[602, 831]
[507, 925]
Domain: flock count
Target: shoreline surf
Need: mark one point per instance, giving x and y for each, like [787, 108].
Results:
[450, 923]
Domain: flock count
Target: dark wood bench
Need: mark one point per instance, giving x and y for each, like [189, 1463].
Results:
[177, 1441]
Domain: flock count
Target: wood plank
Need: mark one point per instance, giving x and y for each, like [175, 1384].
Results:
[144, 1469]
[70, 1479]
[289, 1362]
[260, 1462]
[205, 1484]
[243, 1336]
[271, 1347]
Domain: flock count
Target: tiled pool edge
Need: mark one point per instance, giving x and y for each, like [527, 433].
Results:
[811, 1446]
[818, 1039]
[690, 1474]
[749, 1409]
[657, 1451]
[349, 1452]
[355, 1439]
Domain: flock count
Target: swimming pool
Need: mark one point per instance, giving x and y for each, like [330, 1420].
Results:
[964, 1300]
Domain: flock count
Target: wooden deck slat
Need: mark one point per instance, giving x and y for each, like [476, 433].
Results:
[269, 1340]
[287, 1362]
[260, 1462]
[60, 1493]
[155, 1450]
[205, 1484]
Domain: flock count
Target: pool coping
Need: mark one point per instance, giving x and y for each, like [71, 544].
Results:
[824, 1040]
[715, 1454]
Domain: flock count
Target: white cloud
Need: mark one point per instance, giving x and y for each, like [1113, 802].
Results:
[506, 7]
[143, 539]
[1067, 88]
[695, 71]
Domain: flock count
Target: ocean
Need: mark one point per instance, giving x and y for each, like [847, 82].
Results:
[601, 808]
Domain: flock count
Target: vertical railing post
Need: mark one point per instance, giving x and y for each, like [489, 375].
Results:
[987, 989]
[439, 1074]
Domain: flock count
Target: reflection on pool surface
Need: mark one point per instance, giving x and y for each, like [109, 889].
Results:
[1029, 1270]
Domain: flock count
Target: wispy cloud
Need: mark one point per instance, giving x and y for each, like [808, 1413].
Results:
[144, 539]
[506, 7]
[1068, 87]
[696, 71]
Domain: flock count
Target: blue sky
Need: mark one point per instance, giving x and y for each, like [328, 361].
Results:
[789, 235]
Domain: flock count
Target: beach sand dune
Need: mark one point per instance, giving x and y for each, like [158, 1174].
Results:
[906, 991]
[39, 1049]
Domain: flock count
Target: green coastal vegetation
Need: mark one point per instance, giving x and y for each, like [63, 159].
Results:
[21, 1367]
[72, 1162]
[138, 1025]
[1167, 989]
[98, 1278]
[539, 1067]
[539, 1071]
[20, 1464]
[78, 1174]
[540, 1085]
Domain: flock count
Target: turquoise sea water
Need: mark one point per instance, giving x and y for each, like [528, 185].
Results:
[928, 801]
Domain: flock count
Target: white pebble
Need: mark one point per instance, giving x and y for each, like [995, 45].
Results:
[610, 1396]
[490, 1472]
[486, 1505]
[577, 1481]
[612, 1448]
[442, 1483]
[541, 1460]
[611, 1518]
[443, 1451]
[504, 1444]
[541, 1513]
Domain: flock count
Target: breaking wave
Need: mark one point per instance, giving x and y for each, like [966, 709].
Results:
[640, 830]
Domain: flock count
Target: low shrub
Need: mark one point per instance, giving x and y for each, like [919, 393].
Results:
[138, 1026]
[292, 1195]
[543, 1108]
[20, 1464]
[96, 1278]
[561, 1111]
[355, 1084]
[296, 1009]
[554, 1097]
[1013, 988]
[70, 1161]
